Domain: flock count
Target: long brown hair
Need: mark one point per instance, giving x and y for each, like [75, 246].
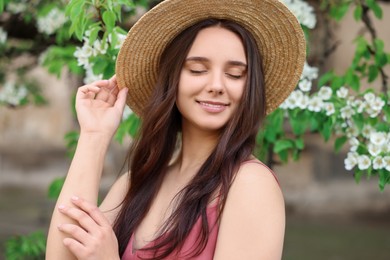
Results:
[153, 149]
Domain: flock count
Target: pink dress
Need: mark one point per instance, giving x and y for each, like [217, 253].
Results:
[206, 254]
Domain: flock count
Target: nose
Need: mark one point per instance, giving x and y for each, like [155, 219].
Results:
[216, 84]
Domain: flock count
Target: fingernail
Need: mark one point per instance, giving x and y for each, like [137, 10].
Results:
[74, 198]
[61, 207]
[59, 226]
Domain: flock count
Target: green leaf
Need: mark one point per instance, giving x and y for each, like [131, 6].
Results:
[373, 5]
[338, 11]
[337, 82]
[299, 143]
[357, 14]
[109, 20]
[379, 45]
[381, 59]
[274, 125]
[99, 66]
[94, 33]
[359, 121]
[338, 144]
[372, 73]
[358, 175]
[282, 145]
[283, 155]
[296, 155]
[55, 188]
[354, 82]
[298, 124]
[325, 78]
[384, 178]
[1, 6]
[326, 130]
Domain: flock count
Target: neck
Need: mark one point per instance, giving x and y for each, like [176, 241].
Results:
[197, 146]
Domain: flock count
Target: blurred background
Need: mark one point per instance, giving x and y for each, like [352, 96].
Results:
[329, 215]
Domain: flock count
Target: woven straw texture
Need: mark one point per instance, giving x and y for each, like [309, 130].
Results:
[277, 32]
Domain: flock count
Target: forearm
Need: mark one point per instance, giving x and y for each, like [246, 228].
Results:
[82, 180]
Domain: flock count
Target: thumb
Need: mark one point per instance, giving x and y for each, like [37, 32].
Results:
[121, 99]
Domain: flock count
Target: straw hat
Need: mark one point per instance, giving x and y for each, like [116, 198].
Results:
[276, 30]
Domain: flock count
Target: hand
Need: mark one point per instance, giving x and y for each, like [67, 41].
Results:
[93, 238]
[99, 106]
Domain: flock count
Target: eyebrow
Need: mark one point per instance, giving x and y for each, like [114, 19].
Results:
[230, 62]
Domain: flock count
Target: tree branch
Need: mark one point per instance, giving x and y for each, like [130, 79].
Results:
[371, 29]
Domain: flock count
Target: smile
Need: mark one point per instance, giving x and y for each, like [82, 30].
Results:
[212, 107]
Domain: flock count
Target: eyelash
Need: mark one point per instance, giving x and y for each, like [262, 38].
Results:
[197, 72]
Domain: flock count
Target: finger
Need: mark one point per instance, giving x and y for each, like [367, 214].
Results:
[112, 83]
[87, 92]
[75, 232]
[101, 83]
[113, 96]
[75, 247]
[103, 94]
[121, 99]
[91, 209]
[83, 218]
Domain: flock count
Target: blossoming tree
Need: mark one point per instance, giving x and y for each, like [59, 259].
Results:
[85, 36]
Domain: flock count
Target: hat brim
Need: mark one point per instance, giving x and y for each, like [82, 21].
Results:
[277, 32]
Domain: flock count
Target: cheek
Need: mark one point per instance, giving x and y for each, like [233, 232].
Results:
[237, 92]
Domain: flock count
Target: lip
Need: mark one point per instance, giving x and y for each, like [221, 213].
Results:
[212, 106]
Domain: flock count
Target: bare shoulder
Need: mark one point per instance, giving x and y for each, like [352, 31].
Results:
[256, 172]
[111, 204]
[253, 219]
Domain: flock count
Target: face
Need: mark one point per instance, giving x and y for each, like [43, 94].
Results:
[212, 79]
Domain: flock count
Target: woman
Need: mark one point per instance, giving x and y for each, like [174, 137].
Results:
[194, 71]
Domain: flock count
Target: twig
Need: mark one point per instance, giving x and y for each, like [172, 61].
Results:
[368, 23]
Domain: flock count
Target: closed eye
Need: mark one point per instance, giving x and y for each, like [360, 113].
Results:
[234, 76]
[198, 71]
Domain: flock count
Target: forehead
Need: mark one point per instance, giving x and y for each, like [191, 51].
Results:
[218, 41]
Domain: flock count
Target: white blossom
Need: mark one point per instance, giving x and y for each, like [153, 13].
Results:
[83, 54]
[367, 130]
[351, 160]
[99, 47]
[3, 36]
[386, 159]
[325, 93]
[369, 97]
[309, 73]
[50, 23]
[347, 112]
[91, 77]
[305, 85]
[315, 104]
[354, 142]
[12, 94]
[352, 130]
[377, 104]
[362, 106]
[303, 11]
[378, 138]
[364, 162]
[374, 150]
[304, 102]
[17, 8]
[329, 108]
[294, 99]
[378, 163]
[342, 92]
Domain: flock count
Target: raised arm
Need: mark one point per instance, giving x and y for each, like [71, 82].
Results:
[99, 109]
